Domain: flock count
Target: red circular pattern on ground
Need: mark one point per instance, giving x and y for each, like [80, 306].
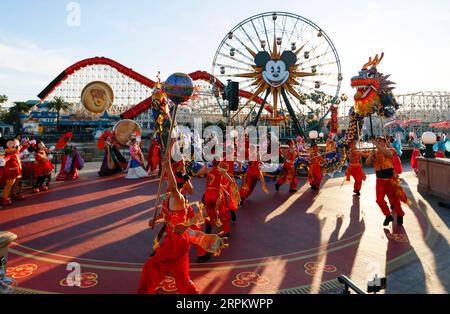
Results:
[245, 279]
[313, 268]
[21, 271]
[85, 280]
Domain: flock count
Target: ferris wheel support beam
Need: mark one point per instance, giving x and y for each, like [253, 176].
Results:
[255, 122]
[297, 126]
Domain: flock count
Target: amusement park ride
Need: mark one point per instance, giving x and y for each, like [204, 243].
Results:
[285, 66]
[282, 57]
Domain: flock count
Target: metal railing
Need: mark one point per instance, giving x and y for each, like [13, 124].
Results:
[348, 284]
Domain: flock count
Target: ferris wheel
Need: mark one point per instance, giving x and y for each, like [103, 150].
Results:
[281, 60]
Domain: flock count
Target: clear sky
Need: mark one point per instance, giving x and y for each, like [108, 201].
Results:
[36, 43]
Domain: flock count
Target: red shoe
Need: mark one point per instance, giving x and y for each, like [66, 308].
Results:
[18, 197]
[5, 202]
[36, 190]
[43, 189]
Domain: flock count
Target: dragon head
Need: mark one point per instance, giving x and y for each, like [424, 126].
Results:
[373, 91]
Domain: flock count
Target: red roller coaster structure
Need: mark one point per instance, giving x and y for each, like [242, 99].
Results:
[144, 105]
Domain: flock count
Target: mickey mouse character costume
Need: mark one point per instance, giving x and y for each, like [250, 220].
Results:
[12, 171]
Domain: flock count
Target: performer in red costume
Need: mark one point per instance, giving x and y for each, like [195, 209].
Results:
[186, 188]
[113, 161]
[289, 173]
[416, 153]
[228, 165]
[216, 197]
[315, 170]
[172, 256]
[251, 178]
[387, 182]
[355, 168]
[398, 168]
[42, 167]
[154, 157]
[71, 162]
[12, 171]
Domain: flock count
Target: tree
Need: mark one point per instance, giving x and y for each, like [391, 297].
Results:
[222, 125]
[3, 115]
[58, 104]
[3, 99]
[16, 111]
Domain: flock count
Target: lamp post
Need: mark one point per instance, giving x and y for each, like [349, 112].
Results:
[321, 135]
[429, 139]
[313, 135]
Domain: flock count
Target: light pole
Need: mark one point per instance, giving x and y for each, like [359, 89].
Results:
[313, 135]
[429, 139]
[321, 136]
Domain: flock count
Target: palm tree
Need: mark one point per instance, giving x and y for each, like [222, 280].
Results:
[3, 99]
[58, 104]
[17, 110]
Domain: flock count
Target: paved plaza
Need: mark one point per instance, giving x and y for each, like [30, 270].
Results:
[281, 243]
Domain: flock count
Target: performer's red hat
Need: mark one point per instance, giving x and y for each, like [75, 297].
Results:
[64, 140]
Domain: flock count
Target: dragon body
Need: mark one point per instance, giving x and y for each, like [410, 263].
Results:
[373, 96]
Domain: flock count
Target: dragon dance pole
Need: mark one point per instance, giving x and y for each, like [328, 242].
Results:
[371, 126]
[169, 138]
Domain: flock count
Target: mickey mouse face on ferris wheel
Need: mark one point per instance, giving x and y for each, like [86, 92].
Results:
[275, 72]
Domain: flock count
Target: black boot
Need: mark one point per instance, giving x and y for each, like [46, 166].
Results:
[292, 191]
[388, 220]
[400, 220]
[233, 215]
[277, 187]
